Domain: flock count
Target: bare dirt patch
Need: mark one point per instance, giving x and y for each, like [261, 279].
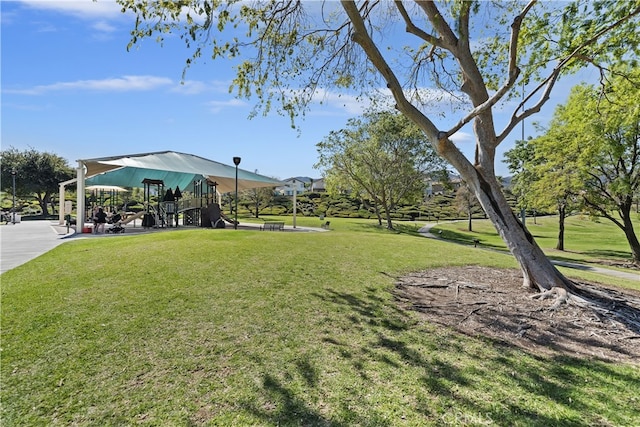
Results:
[481, 301]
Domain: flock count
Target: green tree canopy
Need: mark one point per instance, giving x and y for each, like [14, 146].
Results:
[381, 154]
[592, 150]
[38, 174]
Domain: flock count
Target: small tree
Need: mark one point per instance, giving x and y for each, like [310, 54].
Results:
[521, 163]
[545, 177]
[382, 155]
[255, 199]
[467, 203]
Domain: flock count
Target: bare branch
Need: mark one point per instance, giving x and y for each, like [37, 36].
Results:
[411, 28]
[550, 81]
[513, 72]
[362, 37]
[435, 17]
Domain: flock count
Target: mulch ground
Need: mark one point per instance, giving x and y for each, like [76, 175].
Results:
[481, 301]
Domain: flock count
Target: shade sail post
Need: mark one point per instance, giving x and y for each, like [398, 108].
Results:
[61, 199]
[80, 198]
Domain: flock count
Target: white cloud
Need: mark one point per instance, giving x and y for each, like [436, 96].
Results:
[104, 27]
[82, 9]
[433, 101]
[89, 9]
[44, 27]
[348, 103]
[462, 138]
[195, 87]
[217, 106]
[121, 84]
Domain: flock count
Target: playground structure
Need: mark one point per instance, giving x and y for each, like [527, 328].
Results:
[203, 207]
[200, 208]
[163, 169]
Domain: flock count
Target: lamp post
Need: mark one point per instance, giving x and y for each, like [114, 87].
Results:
[236, 161]
[295, 204]
[14, 172]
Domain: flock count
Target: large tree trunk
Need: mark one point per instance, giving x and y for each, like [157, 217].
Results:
[43, 201]
[378, 214]
[538, 271]
[629, 232]
[387, 214]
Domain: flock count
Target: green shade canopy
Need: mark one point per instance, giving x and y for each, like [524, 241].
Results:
[174, 169]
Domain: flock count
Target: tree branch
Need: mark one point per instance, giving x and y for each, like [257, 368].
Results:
[449, 39]
[411, 28]
[513, 72]
[550, 81]
[362, 37]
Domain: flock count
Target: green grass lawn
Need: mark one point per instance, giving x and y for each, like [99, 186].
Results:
[236, 327]
[585, 240]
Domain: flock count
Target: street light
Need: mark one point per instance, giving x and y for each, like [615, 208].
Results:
[295, 204]
[236, 161]
[14, 172]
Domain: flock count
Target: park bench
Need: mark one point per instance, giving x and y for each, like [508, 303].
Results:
[326, 225]
[272, 225]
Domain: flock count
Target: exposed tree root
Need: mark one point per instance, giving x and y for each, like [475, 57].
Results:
[562, 296]
[582, 319]
[602, 301]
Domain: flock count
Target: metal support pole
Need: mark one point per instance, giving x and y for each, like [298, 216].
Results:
[236, 161]
[295, 204]
[14, 172]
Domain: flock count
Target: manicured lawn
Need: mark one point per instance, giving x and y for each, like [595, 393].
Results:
[585, 240]
[235, 327]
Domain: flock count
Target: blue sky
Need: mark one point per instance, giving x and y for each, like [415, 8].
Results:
[69, 86]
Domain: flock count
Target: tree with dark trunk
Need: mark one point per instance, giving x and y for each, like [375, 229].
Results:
[481, 54]
[466, 202]
[257, 198]
[37, 174]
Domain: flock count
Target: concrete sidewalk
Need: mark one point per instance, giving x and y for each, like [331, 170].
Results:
[26, 240]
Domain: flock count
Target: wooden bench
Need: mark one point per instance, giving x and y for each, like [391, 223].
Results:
[273, 225]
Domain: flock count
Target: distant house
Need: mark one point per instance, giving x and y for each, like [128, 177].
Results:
[296, 184]
[318, 186]
[438, 188]
[300, 184]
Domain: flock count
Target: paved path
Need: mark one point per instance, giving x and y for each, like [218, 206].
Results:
[426, 232]
[26, 240]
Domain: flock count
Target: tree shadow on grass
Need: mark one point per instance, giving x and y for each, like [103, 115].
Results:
[608, 254]
[401, 342]
[440, 376]
[284, 407]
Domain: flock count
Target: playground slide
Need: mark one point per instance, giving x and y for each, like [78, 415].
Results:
[226, 218]
[132, 218]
